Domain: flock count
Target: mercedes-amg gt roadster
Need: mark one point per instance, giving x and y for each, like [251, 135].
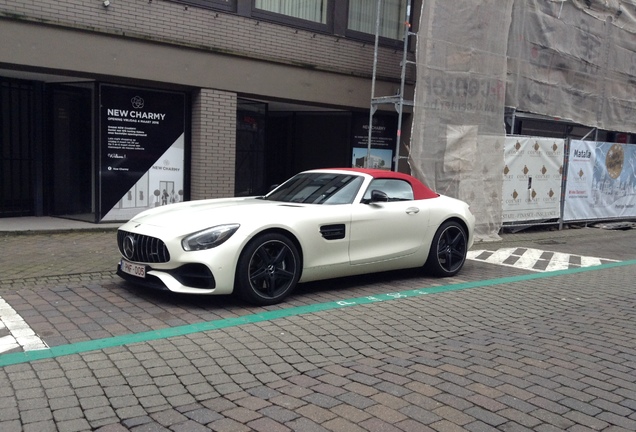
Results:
[319, 224]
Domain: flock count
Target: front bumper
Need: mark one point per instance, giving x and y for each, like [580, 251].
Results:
[189, 278]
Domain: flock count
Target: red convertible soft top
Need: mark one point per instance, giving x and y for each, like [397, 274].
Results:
[420, 190]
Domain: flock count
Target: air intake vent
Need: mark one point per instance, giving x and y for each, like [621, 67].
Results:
[333, 232]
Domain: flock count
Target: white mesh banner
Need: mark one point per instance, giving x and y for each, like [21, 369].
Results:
[570, 59]
[574, 59]
[458, 131]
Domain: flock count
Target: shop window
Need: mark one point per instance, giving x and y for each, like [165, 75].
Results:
[308, 10]
[392, 14]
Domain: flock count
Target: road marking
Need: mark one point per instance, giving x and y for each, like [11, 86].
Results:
[535, 259]
[21, 335]
[148, 336]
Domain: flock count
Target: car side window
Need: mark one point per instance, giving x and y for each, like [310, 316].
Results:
[395, 189]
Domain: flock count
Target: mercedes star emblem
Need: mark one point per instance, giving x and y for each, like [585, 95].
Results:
[129, 246]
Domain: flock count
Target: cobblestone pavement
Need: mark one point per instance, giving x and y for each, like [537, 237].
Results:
[496, 348]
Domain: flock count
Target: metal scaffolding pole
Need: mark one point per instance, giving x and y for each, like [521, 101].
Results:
[398, 99]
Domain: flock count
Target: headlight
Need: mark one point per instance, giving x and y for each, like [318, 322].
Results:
[208, 238]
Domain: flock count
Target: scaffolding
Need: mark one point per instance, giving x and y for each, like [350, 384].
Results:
[396, 100]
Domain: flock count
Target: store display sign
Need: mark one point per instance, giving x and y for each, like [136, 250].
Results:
[601, 181]
[142, 146]
[383, 135]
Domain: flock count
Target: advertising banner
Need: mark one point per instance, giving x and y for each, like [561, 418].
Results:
[383, 135]
[533, 171]
[601, 181]
[142, 135]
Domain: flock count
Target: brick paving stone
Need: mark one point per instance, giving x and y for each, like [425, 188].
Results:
[453, 416]
[316, 413]
[265, 424]
[306, 425]
[550, 418]
[203, 415]
[584, 419]
[419, 414]
[385, 413]
[487, 417]
[542, 355]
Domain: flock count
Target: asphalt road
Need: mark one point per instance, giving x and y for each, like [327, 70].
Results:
[505, 345]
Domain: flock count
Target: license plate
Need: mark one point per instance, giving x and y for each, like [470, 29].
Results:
[133, 269]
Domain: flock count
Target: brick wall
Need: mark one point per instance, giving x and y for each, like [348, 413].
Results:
[175, 23]
[213, 144]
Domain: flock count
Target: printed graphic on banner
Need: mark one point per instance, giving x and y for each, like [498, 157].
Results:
[533, 171]
[142, 150]
[601, 181]
[383, 135]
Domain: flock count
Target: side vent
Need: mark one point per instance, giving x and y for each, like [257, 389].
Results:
[333, 232]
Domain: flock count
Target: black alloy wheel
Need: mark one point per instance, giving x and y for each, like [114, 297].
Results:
[448, 250]
[268, 269]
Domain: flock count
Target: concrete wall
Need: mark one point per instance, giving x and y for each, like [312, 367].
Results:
[213, 55]
[168, 42]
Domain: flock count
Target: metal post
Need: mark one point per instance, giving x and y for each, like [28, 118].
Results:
[407, 32]
[375, 65]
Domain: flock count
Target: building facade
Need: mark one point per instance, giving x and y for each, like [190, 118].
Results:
[109, 107]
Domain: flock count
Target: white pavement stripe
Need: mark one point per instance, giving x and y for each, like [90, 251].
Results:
[20, 331]
[7, 343]
[559, 261]
[500, 255]
[591, 261]
[530, 258]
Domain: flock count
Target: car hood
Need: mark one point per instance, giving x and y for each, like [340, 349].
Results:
[192, 216]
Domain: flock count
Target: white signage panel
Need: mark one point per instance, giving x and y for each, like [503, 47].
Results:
[533, 171]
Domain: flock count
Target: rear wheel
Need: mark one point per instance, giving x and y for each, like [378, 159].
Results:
[448, 250]
[268, 269]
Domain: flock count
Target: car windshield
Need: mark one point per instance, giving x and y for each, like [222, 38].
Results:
[318, 188]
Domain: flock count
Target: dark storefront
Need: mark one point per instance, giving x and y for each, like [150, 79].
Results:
[101, 152]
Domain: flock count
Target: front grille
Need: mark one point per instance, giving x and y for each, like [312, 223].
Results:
[144, 248]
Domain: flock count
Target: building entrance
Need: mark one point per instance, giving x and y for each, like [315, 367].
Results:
[18, 152]
[69, 164]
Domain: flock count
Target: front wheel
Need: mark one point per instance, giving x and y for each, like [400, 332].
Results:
[448, 250]
[268, 269]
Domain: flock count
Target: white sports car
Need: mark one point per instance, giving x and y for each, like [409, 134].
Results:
[320, 224]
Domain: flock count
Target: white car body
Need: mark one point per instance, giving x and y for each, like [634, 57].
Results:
[356, 238]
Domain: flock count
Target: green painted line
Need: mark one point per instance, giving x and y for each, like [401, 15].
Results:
[116, 341]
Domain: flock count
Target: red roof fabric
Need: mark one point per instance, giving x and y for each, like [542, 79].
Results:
[420, 190]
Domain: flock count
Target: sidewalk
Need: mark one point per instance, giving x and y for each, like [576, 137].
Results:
[48, 224]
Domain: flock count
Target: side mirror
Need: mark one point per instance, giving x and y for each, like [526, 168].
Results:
[379, 196]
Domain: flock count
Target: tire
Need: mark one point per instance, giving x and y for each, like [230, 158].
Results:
[268, 269]
[448, 250]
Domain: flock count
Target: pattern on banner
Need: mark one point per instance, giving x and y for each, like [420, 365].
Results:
[533, 171]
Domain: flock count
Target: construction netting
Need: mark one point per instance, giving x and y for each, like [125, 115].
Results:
[570, 59]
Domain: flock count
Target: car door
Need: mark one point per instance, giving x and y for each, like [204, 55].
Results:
[386, 229]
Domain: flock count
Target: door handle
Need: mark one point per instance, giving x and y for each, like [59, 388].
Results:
[412, 210]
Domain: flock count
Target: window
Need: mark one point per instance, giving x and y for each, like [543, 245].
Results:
[318, 188]
[224, 5]
[396, 190]
[392, 15]
[309, 10]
